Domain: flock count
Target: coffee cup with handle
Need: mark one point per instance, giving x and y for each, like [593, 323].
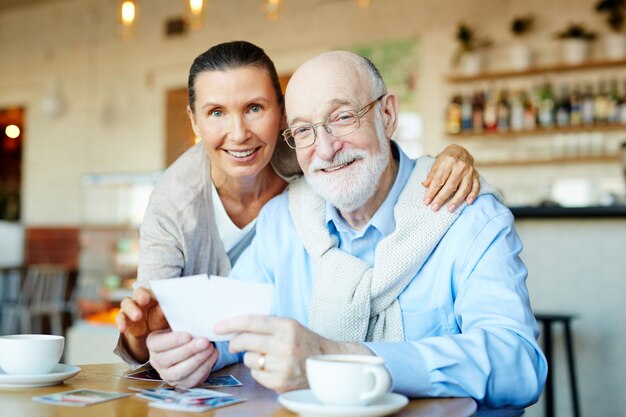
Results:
[347, 380]
[30, 354]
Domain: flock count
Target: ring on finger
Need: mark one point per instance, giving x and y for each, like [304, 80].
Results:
[261, 361]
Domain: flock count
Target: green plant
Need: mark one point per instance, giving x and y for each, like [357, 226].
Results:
[522, 24]
[615, 10]
[576, 31]
[468, 42]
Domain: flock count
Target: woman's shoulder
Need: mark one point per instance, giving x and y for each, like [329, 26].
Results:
[191, 162]
[186, 179]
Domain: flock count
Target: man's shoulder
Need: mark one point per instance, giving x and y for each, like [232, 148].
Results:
[276, 210]
[486, 209]
[275, 228]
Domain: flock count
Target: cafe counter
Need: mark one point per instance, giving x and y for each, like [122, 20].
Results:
[554, 212]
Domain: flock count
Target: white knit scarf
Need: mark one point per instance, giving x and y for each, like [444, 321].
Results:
[352, 301]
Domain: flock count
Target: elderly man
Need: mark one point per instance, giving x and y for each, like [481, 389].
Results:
[357, 269]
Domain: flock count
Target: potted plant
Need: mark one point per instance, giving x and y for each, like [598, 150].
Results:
[469, 51]
[575, 39]
[520, 53]
[615, 42]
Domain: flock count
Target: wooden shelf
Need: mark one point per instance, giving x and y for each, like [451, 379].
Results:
[457, 78]
[537, 132]
[550, 161]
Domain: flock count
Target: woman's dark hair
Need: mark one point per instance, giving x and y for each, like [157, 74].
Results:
[232, 55]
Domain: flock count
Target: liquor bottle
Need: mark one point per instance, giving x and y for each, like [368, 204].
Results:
[546, 108]
[530, 111]
[622, 107]
[563, 108]
[576, 110]
[453, 117]
[491, 111]
[588, 106]
[601, 104]
[504, 112]
[478, 111]
[517, 111]
[613, 104]
[466, 113]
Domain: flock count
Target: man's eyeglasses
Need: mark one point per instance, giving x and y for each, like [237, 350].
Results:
[337, 125]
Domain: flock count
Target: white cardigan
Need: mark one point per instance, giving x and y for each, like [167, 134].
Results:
[179, 236]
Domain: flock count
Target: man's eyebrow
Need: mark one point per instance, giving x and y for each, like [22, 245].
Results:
[332, 104]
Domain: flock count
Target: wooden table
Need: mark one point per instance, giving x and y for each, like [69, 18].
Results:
[261, 401]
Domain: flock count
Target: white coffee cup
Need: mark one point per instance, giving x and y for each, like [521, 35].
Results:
[347, 380]
[30, 354]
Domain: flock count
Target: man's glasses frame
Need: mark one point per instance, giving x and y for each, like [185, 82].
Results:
[326, 123]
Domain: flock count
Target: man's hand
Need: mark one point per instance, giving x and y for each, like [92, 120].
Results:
[453, 177]
[179, 359]
[139, 315]
[283, 344]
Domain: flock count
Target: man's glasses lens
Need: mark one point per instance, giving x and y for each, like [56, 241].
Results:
[337, 125]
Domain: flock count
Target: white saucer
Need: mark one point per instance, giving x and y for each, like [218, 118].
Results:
[59, 374]
[304, 403]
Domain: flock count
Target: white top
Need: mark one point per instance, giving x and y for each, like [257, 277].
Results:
[230, 234]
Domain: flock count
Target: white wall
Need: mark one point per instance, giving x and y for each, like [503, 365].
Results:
[11, 244]
[114, 91]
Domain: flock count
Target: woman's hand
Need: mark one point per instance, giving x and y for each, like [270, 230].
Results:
[138, 317]
[452, 177]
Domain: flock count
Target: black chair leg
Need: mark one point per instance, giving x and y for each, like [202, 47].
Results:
[569, 343]
[547, 350]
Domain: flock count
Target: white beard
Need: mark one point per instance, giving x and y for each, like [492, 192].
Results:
[349, 189]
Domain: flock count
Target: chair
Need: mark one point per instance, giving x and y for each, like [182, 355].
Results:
[42, 290]
[547, 320]
[10, 286]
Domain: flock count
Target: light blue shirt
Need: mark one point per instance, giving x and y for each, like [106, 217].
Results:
[469, 328]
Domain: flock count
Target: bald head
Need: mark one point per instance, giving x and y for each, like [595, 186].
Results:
[336, 75]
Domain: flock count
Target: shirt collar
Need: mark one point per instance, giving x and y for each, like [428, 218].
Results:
[383, 220]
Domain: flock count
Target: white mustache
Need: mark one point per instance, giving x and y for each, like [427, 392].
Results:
[340, 158]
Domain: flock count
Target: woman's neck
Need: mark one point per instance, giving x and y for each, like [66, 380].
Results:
[244, 197]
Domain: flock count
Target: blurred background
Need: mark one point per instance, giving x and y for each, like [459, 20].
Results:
[92, 110]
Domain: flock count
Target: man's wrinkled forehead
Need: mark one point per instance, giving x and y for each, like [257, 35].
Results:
[324, 83]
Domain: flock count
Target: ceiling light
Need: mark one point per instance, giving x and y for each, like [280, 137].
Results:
[272, 9]
[128, 13]
[12, 131]
[195, 12]
[195, 7]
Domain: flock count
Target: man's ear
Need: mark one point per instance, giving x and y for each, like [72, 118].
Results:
[192, 119]
[389, 105]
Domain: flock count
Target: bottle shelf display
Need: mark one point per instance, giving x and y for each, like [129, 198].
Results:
[576, 107]
[549, 160]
